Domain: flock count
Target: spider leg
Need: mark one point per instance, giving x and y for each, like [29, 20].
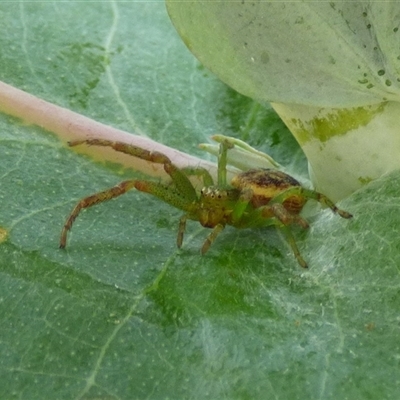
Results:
[292, 243]
[90, 201]
[200, 173]
[277, 215]
[241, 205]
[321, 198]
[156, 189]
[152, 156]
[180, 194]
[224, 146]
[286, 217]
[181, 230]
[310, 194]
[179, 178]
[211, 237]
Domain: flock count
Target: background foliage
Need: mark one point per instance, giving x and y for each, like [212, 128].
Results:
[122, 313]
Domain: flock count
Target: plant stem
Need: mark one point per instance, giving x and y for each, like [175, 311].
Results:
[68, 126]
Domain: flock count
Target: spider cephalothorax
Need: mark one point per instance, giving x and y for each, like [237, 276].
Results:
[255, 198]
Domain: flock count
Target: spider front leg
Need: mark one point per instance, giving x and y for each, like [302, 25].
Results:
[181, 194]
[179, 178]
[156, 189]
[90, 201]
[152, 156]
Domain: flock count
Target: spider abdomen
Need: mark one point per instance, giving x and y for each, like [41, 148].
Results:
[266, 184]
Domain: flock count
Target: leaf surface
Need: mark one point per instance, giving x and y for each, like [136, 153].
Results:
[322, 54]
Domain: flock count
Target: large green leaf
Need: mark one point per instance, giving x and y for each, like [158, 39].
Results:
[121, 313]
[321, 54]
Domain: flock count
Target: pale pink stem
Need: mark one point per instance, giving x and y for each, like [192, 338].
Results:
[69, 126]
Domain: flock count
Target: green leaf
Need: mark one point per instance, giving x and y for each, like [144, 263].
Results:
[321, 54]
[121, 313]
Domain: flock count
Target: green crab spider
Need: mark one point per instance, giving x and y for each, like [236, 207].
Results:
[254, 198]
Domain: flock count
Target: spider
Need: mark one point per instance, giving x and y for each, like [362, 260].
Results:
[255, 198]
